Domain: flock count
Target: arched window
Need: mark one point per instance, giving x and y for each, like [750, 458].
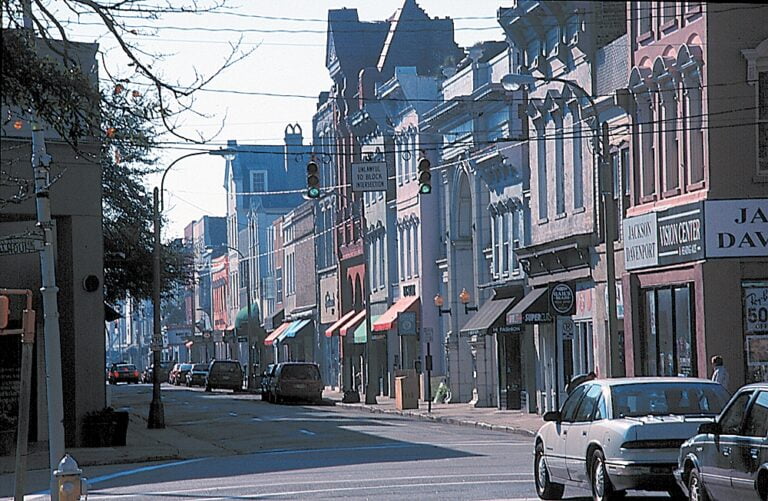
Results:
[541, 168]
[669, 129]
[694, 127]
[644, 121]
[559, 164]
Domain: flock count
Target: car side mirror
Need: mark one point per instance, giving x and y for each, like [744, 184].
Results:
[551, 416]
[710, 428]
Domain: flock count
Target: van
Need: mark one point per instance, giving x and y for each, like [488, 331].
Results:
[296, 381]
[225, 374]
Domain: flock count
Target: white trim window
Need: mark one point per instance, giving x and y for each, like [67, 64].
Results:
[259, 181]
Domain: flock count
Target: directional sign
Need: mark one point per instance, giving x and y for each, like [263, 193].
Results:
[369, 176]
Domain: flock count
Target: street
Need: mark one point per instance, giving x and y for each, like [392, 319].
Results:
[237, 447]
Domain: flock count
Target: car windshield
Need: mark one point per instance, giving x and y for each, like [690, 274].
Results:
[663, 399]
[308, 372]
[200, 367]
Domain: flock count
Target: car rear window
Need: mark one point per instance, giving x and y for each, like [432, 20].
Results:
[662, 399]
[306, 372]
[200, 367]
[126, 367]
[225, 367]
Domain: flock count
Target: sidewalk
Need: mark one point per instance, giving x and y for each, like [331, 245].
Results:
[490, 418]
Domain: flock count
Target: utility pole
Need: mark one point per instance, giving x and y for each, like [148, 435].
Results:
[609, 231]
[41, 162]
[156, 417]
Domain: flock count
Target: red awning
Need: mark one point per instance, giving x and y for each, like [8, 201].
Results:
[275, 333]
[352, 324]
[389, 318]
[330, 331]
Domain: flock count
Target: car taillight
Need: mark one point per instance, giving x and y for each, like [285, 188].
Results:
[672, 443]
[136, 373]
[116, 374]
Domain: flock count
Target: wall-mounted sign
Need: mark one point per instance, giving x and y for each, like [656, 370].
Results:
[369, 176]
[640, 241]
[755, 308]
[680, 235]
[737, 228]
[406, 323]
[537, 317]
[562, 299]
[329, 312]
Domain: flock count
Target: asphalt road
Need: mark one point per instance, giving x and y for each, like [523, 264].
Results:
[267, 451]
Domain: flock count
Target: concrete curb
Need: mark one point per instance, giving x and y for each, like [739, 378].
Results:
[441, 419]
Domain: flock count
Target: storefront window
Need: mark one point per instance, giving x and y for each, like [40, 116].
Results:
[668, 332]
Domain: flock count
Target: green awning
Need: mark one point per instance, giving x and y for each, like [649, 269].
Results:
[361, 333]
[242, 316]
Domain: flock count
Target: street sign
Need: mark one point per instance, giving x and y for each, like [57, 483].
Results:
[369, 176]
[406, 323]
[242, 339]
[427, 333]
[22, 243]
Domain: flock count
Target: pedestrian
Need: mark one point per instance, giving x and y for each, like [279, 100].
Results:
[720, 373]
[577, 380]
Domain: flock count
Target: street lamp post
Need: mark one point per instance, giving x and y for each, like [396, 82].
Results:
[514, 82]
[156, 418]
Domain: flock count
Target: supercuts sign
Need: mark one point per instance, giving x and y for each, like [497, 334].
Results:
[737, 228]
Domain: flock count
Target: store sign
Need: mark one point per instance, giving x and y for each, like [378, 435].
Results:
[680, 234]
[537, 317]
[737, 228]
[562, 299]
[756, 309]
[583, 301]
[329, 312]
[671, 236]
[640, 241]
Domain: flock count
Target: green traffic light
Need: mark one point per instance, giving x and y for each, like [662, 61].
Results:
[425, 189]
[313, 192]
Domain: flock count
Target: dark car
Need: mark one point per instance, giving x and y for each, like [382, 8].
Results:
[123, 373]
[196, 376]
[225, 374]
[266, 376]
[179, 374]
[296, 381]
[728, 459]
[163, 373]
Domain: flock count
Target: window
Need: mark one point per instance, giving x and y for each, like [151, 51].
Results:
[668, 12]
[668, 334]
[408, 253]
[571, 404]
[505, 250]
[730, 423]
[644, 119]
[553, 37]
[644, 18]
[559, 167]
[694, 127]
[670, 128]
[757, 420]
[416, 264]
[578, 183]
[541, 158]
[626, 172]
[588, 403]
[495, 245]
[258, 181]
[602, 409]
[660, 399]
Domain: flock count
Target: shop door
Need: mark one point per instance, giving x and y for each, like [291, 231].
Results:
[511, 380]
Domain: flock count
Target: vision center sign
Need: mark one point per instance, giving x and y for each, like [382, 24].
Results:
[369, 176]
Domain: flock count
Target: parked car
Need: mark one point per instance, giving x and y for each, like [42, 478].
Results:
[178, 374]
[196, 376]
[164, 371]
[617, 434]
[266, 376]
[728, 459]
[226, 374]
[123, 373]
[296, 381]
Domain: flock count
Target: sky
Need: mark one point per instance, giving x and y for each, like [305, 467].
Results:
[288, 40]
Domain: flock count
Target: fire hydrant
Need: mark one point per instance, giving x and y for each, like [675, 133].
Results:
[69, 481]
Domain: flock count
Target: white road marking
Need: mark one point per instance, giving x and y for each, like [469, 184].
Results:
[307, 432]
[233, 414]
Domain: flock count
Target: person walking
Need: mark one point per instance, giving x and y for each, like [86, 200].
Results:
[720, 373]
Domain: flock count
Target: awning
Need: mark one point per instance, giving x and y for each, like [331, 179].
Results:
[242, 315]
[294, 329]
[490, 313]
[273, 335]
[389, 318]
[352, 323]
[330, 331]
[361, 333]
[532, 309]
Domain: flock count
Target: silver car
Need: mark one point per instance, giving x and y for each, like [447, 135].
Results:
[617, 434]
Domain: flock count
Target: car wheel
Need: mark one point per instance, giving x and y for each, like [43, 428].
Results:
[602, 488]
[696, 490]
[544, 487]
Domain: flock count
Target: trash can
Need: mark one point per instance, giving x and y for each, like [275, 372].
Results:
[406, 393]
[120, 428]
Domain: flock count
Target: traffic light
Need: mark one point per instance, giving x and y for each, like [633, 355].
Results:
[313, 179]
[425, 177]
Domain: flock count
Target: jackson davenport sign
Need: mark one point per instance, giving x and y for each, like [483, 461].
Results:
[640, 241]
[737, 228]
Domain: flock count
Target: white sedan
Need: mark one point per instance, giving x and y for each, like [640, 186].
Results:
[617, 434]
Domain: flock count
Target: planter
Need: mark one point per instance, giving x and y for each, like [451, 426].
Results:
[105, 429]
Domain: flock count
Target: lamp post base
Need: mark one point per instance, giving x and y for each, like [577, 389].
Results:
[156, 420]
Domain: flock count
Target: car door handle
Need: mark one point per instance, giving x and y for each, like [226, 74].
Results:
[583, 433]
[726, 451]
[754, 452]
[565, 432]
